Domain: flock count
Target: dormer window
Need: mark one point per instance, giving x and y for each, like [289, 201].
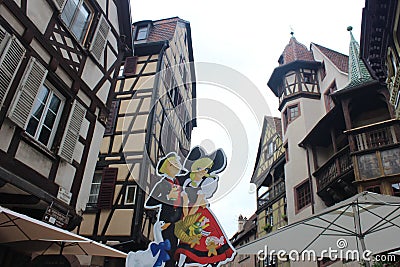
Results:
[141, 33]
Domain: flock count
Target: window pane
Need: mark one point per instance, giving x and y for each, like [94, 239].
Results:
[130, 195]
[32, 126]
[81, 22]
[142, 33]
[68, 11]
[42, 95]
[44, 136]
[50, 119]
[55, 103]
[38, 110]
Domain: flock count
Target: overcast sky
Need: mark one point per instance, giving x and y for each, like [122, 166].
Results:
[245, 39]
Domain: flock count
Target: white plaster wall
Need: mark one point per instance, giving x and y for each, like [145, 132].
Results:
[102, 94]
[65, 175]
[39, 12]
[296, 169]
[83, 196]
[78, 152]
[40, 50]
[102, 4]
[34, 159]
[6, 134]
[111, 58]
[18, 2]
[64, 76]
[84, 128]
[9, 17]
[332, 74]
[113, 16]
[82, 96]
[91, 74]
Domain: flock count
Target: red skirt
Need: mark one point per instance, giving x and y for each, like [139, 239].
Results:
[214, 246]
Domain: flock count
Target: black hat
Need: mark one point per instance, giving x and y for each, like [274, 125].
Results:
[218, 157]
[160, 163]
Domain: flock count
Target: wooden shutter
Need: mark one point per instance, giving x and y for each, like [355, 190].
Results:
[106, 193]
[71, 134]
[112, 118]
[60, 4]
[10, 60]
[99, 38]
[130, 66]
[31, 82]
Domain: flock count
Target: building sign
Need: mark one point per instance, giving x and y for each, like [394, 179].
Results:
[64, 195]
[56, 217]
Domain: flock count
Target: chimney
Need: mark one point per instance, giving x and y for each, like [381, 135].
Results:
[241, 221]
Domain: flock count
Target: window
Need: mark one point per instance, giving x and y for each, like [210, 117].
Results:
[102, 190]
[45, 115]
[77, 15]
[374, 189]
[303, 195]
[95, 189]
[323, 71]
[130, 194]
[141, 33]
[396, 189]
[293, 112]
[329, 104]
[271, 148]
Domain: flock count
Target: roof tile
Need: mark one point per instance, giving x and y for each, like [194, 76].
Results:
[340, 60]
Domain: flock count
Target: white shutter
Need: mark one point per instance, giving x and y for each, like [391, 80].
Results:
[71, 134]
[99, 38]
[33, 79]
[60, 4]
[4, 35]
[10, 61]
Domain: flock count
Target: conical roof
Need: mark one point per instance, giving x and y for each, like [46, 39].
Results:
[358, 72]
[295, 51]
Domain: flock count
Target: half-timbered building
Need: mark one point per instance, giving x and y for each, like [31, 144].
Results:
[269, 178]
[153, 111]
[59, 60]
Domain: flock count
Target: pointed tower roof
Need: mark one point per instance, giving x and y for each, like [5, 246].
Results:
[295, 51]
[358, 72]
[294, 56]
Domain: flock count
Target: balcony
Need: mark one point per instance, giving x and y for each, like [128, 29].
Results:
[337, 166]
[273, 193]
[375, 136]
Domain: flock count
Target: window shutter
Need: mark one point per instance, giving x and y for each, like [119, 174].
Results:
[60, 4]
[31, 82]
[106, 194]
[71, 134]
[4, 36]
[112, 117]
[99, 38]
[10, 60]
[130, 66]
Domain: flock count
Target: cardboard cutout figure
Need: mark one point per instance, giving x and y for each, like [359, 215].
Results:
[186, 233]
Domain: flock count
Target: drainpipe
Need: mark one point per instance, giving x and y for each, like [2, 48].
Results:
[309, 177]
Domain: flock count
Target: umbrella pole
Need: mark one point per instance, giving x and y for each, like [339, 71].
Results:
[62, 247]
[360, 236]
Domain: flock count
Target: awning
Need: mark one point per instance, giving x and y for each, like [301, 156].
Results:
[26, 234]
[366, 221]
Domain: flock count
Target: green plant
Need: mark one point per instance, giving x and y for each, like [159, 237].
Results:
[268, 228]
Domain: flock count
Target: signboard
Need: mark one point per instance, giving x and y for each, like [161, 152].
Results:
[64, 195]
[56, 217]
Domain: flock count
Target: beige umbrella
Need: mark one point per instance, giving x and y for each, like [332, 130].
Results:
[30, 235]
